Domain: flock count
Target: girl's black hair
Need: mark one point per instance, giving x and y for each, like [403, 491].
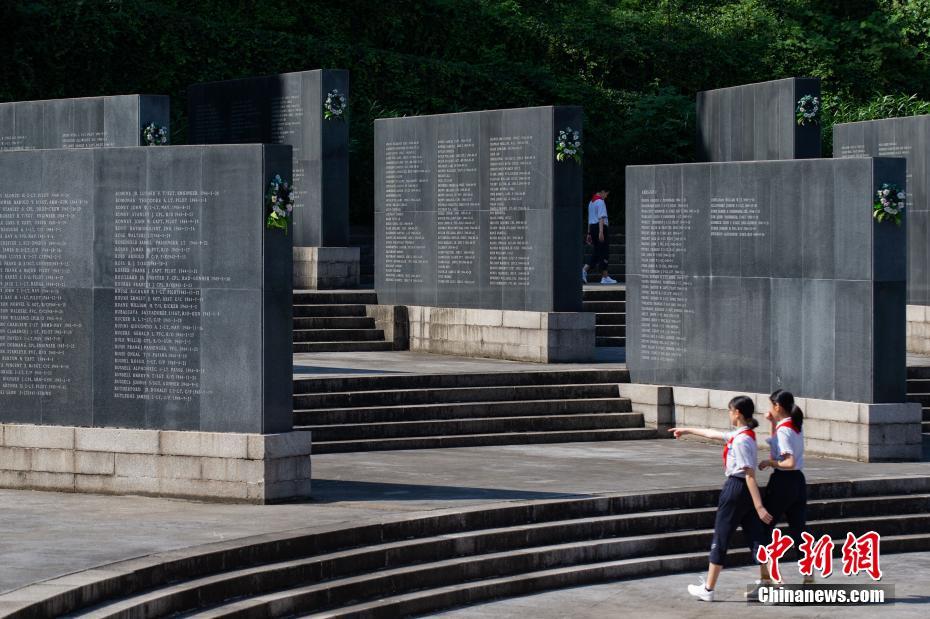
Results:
[786, 400]
[746, 408]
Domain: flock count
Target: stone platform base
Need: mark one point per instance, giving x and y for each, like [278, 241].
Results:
[918, 329]
[850, 430]
[326, 268]
[238, 468]
[543, 337]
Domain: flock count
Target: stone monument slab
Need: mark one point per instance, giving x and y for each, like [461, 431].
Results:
[287, 109]
[755, 122]
[899, 137]
[754, 276]
[472, 210]
[88, 122]
[140, 289]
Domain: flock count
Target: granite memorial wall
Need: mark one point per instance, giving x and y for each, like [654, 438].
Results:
[899, 137]
[472, 210]
[756, 122]
[287, 109]
[140, 289]
[761, 275]
[89, 122]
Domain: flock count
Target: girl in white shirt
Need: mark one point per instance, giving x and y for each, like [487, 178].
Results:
[740, 503]
[786, 492]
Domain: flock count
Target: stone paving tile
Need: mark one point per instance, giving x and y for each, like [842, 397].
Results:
[666, 596]
[47, 534]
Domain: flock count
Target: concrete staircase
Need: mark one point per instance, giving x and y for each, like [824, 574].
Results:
[918, 390]
[336, 321]
[363, 237]
[426, 564]
[609, 305]
[425, 411]
[617, 258]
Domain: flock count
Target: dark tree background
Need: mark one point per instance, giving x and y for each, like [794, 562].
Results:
[634, 65]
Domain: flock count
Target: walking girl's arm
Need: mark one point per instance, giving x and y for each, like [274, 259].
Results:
[711, 434]
[785, 464]
[764, 515]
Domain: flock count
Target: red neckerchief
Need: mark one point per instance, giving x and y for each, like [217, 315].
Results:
[596, 197]
[726, 448]
[787, 424]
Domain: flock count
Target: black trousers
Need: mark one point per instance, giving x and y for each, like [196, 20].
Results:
[735, 509]
[601, 250]
[786, 497]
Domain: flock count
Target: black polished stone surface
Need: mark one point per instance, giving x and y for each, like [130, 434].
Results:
[287, 109]
[473, 210]
[756, 122]
[756, 276]
[80, 123]
[140, 289]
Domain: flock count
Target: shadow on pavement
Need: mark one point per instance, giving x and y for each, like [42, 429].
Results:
[334, 490]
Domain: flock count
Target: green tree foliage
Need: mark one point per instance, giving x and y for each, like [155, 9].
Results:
[634, 65]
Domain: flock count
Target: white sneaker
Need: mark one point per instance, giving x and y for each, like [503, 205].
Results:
[608, 280]
[701, 592]
[584, 276]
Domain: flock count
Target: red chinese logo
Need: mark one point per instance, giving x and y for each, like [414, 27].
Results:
[860, 554]
[817, 555]
[774, 551]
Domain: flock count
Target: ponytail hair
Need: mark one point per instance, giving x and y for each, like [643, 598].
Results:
[746, 408]
[786, 400]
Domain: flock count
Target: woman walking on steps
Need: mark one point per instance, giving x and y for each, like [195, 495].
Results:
[786, 492]
[740, 502]
[599, 238]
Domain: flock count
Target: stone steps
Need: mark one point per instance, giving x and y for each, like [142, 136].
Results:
[465, 410]
[380, 382]
[396, 397]
[425, 564]
[336, 321]
[363, 346]
[410, 411]
[338, 335]
[446, 441]
[609, 305]
[918, 390]
[475, 426]
[335, 297]
[329, 311]
[606, 318]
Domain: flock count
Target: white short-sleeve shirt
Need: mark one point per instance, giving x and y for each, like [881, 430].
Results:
[596, 210]
[786, 441]
[742, 452]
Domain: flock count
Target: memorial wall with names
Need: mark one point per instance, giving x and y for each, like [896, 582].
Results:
[758, 276]
[757, 122]
[287, 109]
[90, 122]
[140, 289]
[899, 137]
[472, 210]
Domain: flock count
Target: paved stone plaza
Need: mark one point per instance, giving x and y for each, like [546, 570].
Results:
[51, 534]
[666, 596]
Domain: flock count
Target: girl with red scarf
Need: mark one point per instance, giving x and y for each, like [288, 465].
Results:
[740, 503]
[786, 492]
